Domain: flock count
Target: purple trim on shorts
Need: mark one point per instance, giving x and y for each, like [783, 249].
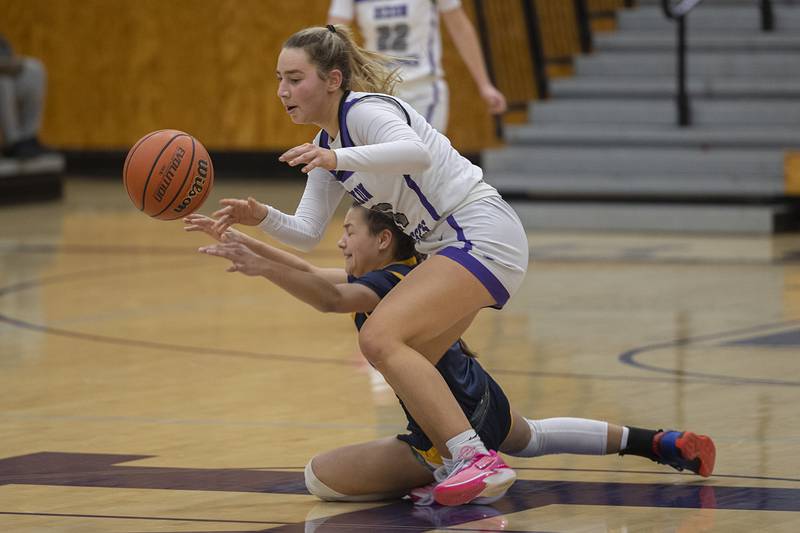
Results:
[459, 233]
[484, 275]
[414, 187]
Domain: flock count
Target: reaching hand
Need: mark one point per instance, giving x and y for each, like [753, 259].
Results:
[314, 156]
[248, 212]
[241, 257]
[206, 224]
[495, 101]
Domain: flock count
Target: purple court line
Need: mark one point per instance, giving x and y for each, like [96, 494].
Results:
[600, 470]
[94, 274]
[629, 357]
[129, 517]
[653, 472]
[536, 254]
[109, 471]
[193, 350]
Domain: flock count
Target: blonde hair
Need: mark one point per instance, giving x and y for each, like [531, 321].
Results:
[334, 48]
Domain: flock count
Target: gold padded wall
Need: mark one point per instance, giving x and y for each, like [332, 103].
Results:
[121, 68]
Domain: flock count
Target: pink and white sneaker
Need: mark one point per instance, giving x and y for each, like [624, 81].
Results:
[482, 478]
[422, 496]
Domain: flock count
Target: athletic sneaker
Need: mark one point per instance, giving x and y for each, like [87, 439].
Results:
[423, 496]
[483, 476]
[685, 450]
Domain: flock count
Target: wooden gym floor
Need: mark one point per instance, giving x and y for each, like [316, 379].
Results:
[143, 388]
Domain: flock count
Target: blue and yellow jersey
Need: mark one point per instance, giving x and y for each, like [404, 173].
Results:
[480, 397]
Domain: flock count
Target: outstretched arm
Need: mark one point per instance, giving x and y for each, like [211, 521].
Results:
[466, 40]
[197, 222]
[311, 287]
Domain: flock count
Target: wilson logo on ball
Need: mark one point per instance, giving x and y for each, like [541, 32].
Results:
[168, 174]
[197, 186]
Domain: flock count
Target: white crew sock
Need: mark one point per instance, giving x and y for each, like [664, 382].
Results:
[623, 441]
[463, 446]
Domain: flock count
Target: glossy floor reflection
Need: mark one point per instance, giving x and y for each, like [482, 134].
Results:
[142, 388]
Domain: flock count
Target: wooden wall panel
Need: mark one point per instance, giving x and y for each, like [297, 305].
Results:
[121, 68]
[559, 28]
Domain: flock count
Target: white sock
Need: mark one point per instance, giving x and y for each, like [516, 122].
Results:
[623, 441]
[565, 435]
[462, 446]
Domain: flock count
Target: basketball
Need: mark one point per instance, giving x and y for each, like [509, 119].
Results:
[168, 174]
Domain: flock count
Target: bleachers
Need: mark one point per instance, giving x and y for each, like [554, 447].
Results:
[605, 151]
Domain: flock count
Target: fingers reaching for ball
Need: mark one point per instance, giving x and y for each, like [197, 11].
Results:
[207, 225]
[249, 212]
[242, 258]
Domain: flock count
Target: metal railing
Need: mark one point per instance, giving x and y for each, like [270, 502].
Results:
[527, 18]
[678, 13]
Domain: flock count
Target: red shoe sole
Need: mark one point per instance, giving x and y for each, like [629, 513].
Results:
[702, 447]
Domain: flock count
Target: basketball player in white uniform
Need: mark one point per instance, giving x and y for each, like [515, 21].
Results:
[409, 29]
[388, 158]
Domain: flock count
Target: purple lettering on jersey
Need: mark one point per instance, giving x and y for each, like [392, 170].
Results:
[420, 231]
[360, 193]
[387, 12]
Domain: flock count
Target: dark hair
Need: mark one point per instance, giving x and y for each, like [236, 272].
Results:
[377, 221]
[334, 48]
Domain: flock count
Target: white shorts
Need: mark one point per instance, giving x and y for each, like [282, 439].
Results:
[430, 98]
[487, 238]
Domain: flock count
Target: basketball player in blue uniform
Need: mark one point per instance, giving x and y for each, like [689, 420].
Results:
[409, 30]
[383, 153]
[377, 257]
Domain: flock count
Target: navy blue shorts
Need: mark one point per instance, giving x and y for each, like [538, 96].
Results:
[491, 418]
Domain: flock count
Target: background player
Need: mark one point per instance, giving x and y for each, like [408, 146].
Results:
[410, 30]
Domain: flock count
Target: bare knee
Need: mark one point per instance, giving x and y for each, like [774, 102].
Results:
[376, 343]
[318, 488]
[323, 491]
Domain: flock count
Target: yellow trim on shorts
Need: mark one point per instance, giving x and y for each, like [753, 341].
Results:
[431, 456]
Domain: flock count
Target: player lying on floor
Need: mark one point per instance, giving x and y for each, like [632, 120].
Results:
[377, 256]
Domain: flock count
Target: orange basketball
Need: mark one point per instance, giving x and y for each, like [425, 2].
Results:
[168, 174]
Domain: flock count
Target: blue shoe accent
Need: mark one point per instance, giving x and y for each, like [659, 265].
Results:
[684, 450]
[668, 450]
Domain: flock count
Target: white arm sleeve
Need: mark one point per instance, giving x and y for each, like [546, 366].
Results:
[304, 229]
[342, 9]
[386, 143]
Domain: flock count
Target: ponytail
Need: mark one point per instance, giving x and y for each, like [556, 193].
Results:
[334, 48]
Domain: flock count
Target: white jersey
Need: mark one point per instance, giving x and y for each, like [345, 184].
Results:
[408, 29]
[388, 159]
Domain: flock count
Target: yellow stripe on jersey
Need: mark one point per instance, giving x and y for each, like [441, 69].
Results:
[411, 261]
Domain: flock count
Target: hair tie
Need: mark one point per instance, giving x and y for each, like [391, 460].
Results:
[331, 28]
